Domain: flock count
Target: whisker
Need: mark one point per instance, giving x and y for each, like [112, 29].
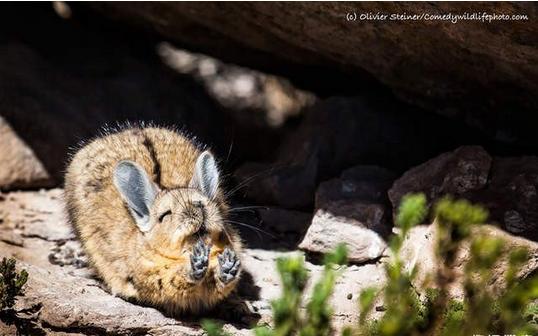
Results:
[248, 208]
[251, 227]
[230, 150]
[250, 179]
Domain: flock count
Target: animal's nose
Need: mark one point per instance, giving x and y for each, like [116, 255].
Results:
[198, 204]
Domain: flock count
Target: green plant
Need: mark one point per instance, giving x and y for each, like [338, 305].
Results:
[404, 312]
[288, 317]
[510, 312]
[11, 283]
[213, 329]
[418, 311]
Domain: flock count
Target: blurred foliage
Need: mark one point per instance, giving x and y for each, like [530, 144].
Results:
[405, 314]
[431, 311]
[288, 316]
[11, 283]
[213, 329]
[417, 311]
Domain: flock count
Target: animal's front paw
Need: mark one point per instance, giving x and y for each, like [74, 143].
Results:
[199, 260]
[229, 265]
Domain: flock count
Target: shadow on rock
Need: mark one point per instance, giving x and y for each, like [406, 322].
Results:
[12, 323]
[62, 83]
[234, 310]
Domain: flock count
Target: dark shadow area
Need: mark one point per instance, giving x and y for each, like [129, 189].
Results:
[311, 74]
[23, 325]
[61, 82]
[271, 228]
[318, 259]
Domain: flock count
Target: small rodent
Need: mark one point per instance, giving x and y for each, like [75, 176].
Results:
[147, 207]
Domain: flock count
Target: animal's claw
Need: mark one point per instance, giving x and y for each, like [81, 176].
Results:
[199, 260]
[229, 265]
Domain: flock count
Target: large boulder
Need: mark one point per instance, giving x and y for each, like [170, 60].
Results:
[512, 194]
[459, 173]
[506, 186]
[418, 251]
[438, 55]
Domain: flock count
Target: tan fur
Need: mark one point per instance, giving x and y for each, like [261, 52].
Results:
[152, 267]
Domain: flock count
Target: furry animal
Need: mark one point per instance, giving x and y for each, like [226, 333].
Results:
[147, 207]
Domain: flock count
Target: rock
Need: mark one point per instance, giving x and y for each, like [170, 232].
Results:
[360, 194]
[348, 222]
[365, 183]
[418, 250]
[68, 253]
[34, 215]
[507, 187]
[453, 61]
[65, 302]
[20, 167]
[64, 296]
[339, 133]
[353, 278]
[512, 195]
[459, 173]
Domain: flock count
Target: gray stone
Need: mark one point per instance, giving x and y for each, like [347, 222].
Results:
[459, 173]
[418, 250]
[365, 183]
[355, 228]
[512, 195]
[20, 166]
[506, 187]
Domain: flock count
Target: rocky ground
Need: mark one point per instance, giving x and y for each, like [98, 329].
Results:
[63, 297]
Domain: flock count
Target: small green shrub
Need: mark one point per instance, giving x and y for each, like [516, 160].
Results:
[213, 329]
[481, 311]
[404, 311]
[417, 311]
[288, 317]
[11, 283]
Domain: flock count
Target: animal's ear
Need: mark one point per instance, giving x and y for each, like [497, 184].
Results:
[137, 190]
[206, 175]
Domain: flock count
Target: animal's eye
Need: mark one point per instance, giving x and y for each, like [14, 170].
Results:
[164, 214]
